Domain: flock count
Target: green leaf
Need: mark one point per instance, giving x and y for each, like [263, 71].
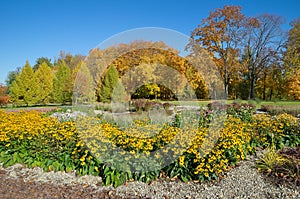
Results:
[107, 180]
[184, 178]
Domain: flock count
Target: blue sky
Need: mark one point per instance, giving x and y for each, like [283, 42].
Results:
[42, 28]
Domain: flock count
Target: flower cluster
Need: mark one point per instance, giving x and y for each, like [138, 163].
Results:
[279, 131]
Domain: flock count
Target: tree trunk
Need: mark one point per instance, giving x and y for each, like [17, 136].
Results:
[226, 89]
[252, 89]
[226, 80]
[264, 89]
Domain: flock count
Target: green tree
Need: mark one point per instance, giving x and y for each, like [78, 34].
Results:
[109, 83]
[119, 94]
[45, 78]
[62, 87]
[24, 90]
[40, 61]
[12, 76]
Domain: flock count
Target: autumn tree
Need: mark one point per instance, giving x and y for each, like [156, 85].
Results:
[24, 90]
[294, 35]
[62, 87]
[162, 60]
[221, 34]
[270, 83]
[83, 85]
[70, 60]
[294, 85]
[292, 61]
[203, 62]
[45, 79]
[143, 62]
[148, 77]
[262, 45]
[99, 59]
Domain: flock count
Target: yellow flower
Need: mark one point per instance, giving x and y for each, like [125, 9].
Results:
[82, 159]
[181, 161]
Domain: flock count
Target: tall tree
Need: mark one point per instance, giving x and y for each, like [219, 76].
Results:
[294, 35]
[262, 44]
[204, 63]
[24, 90]
[62, 87]
[45, 78]
[292, 61]
[221, 34]
[12, 76]
[109, 83]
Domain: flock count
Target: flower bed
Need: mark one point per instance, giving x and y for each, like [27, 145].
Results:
[34, 139]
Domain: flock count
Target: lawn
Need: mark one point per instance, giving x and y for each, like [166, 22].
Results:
[257, 103]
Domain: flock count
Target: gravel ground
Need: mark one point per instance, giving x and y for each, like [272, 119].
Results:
[244, 181]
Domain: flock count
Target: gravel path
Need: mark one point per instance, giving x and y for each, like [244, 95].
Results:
[241, 182]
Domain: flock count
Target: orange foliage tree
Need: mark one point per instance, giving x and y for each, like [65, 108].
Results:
[221, 34]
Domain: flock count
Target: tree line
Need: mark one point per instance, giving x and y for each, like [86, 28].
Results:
[253, 56]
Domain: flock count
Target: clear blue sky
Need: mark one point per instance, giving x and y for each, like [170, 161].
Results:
[42, 28]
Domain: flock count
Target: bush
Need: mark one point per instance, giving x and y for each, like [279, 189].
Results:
[283, 164]
[139, 104]
[216, 106]
[243, 111]
[282, 130]
[145, 105]
[4, 100]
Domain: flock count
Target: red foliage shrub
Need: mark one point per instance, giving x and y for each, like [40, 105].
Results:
[4, 100]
